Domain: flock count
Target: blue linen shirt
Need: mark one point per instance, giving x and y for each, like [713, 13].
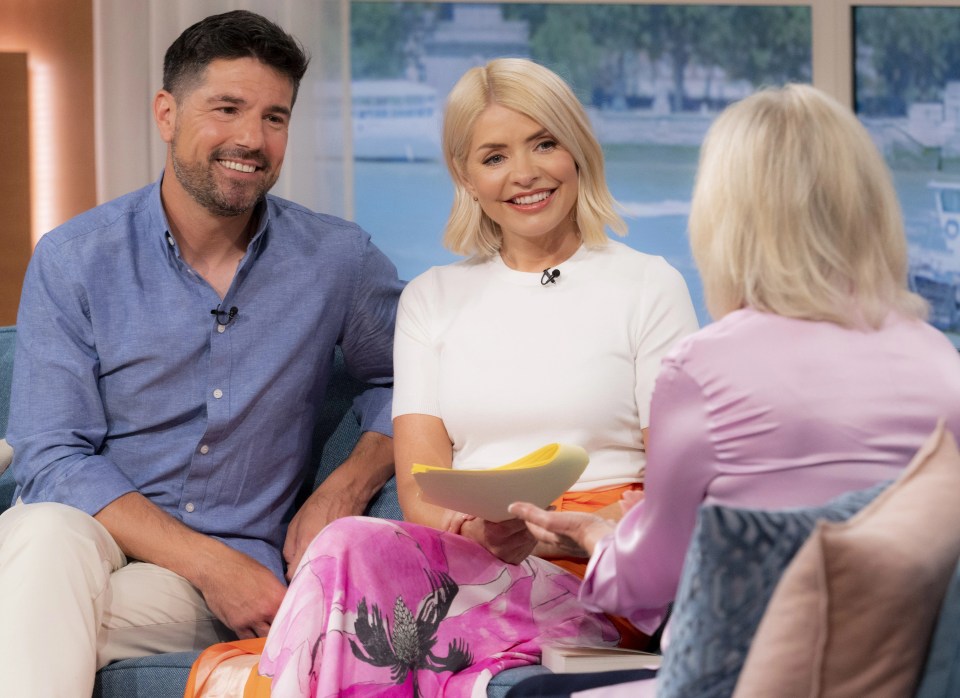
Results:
[124, 381]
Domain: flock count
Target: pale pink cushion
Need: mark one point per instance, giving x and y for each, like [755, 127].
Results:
[855, 609]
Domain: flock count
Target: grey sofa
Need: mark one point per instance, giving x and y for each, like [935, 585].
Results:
[165, 675]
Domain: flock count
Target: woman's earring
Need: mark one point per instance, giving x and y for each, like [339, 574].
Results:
[475, 199]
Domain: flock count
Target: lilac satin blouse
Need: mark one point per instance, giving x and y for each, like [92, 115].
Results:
[759, 410]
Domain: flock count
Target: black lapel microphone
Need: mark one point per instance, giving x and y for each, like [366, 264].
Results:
[225, 317]
[549, 277]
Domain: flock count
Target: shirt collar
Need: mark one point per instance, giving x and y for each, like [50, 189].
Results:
[160, 223]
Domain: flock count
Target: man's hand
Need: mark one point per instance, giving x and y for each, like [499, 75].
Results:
[574, 533]
[508, 540]
[326, 504]
[241, 592]
[346, 492]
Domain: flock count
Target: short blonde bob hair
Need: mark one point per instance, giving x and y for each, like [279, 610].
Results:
[541, 95]
[794, 212]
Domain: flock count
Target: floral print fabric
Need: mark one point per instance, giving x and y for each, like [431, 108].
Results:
[386, 608]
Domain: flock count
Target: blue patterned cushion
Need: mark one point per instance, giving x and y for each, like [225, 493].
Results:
[734, 561]
[941, 675]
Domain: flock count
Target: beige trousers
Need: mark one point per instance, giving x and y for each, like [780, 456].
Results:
[70, 603]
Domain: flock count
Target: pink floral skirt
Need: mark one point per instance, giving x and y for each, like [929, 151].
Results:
[386, 608]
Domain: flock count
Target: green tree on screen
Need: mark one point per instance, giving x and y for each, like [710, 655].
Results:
[598, 47]
[592, 45]
[763, 45]
[905, 54]
[586, 44]
[385, 37]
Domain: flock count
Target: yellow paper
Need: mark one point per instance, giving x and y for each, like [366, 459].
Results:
[538, 477]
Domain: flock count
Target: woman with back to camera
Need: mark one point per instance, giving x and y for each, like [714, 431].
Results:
[819, 375]
[548, 332]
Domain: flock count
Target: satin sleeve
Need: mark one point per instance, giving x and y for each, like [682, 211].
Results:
[634, 572]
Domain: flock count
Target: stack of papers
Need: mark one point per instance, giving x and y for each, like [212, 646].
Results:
[539, 477]
[572, 659]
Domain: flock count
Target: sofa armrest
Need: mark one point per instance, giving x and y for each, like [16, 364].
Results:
[8, 337]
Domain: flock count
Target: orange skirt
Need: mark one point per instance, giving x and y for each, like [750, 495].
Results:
[227, 668]
[590, 501]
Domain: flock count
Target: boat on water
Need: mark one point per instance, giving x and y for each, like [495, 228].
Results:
[395, 120]
[935, 274]
[947, 197]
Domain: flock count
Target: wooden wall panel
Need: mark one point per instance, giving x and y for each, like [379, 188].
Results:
[57, 38]
[15, 244]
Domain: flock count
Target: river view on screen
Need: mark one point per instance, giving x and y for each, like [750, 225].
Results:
[404, 206]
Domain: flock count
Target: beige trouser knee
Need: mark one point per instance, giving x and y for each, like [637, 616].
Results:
[70, 603]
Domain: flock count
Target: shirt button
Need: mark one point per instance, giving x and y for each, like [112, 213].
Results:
[218, 393]
[170, 239]
[221, 328]
[189, 507]
[204, 449]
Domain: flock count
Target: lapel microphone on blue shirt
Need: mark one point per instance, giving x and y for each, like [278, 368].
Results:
[549, 277]
[225, 317]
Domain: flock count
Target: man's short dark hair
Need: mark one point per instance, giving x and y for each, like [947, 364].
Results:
[235, 34]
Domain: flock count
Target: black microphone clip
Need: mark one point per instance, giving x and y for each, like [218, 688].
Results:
[225, 317]
[549, 277]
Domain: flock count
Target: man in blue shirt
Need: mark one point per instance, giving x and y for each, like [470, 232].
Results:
[173, 349]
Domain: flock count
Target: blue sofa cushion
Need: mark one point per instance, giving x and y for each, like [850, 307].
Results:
[734, 561]
[941, 674]
[334, 437]
[501, 683]
[166, 675]
[145, 677]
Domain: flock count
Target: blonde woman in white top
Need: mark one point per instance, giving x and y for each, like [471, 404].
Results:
[548, 332]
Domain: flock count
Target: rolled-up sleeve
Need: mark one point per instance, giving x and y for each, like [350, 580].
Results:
[57, 421]
[367, 341]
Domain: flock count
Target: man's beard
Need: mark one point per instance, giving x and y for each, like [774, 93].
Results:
[235, 198]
